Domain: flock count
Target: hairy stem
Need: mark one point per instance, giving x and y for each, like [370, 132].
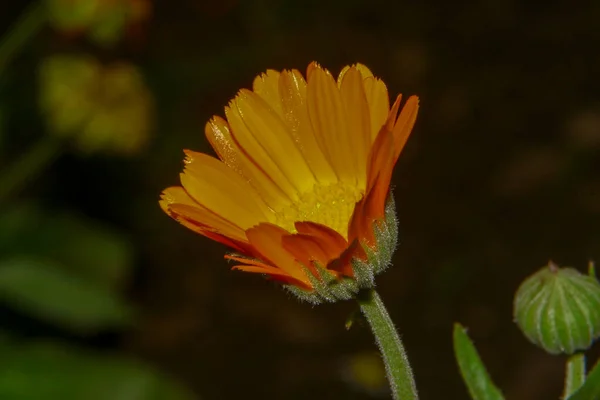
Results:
[392, 350]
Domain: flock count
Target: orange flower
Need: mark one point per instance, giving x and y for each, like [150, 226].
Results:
[300, 189]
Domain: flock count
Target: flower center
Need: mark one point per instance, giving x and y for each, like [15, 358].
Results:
[330, 205]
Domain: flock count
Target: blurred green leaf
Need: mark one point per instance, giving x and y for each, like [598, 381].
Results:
[47, 291]
[83, 246]
[471, 367]
[591, 387]
[88, 248]
[49, 372]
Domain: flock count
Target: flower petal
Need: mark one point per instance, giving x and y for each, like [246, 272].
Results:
[218, 188]
[267, 240]
[332, 242]
[179, 205]
[273, 136]
[306, 249]
[256, 152]
[359, 122]
[404, 124]
[292, 89]
[267, 87]
[273, 273]
[219, 135]
[329, 121]
[379, 103]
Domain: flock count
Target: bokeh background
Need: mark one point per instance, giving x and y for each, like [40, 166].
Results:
[102, 296]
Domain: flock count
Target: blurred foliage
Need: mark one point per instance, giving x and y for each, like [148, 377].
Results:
[104, 21]
[82, 246]
[105, 108]
[37, 371]
[366, 372]
[45, 291]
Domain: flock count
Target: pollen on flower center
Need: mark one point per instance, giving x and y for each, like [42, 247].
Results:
[330, 205]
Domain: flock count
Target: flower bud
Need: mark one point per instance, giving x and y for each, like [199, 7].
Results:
[558, 309]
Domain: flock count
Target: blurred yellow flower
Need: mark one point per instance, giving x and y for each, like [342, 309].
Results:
[103, 108]
[304, 172]
[104, 21]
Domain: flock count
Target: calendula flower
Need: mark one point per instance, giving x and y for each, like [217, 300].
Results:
[302, 181]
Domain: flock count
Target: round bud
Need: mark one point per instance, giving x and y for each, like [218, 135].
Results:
[558, 309]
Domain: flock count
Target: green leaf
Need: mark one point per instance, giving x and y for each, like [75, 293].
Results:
[45, 371]
[45, 290]
[83, 246]
[575, 374]
[591, 388]
[87, 248]
[471, 367]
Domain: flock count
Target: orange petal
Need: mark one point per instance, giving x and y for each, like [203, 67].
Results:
[343, 264]
[306, 249]
[275, 274]
[332, 242]
[404, 124]
[267, 240]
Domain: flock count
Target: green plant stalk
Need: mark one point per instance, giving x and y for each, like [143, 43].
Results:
[25, 168]
[398, 369]
[21, 32]
[575, 374]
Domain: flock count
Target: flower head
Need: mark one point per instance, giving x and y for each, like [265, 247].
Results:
[300, 187]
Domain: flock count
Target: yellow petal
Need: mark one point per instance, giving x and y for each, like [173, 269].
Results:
[292, 89]
[218, 188]
[267, 87]
[273, 136]
[359, 121]
[219, 135]
[254, 151]
[329, 121]
[175, 200]
[365, 72]
[379, 103]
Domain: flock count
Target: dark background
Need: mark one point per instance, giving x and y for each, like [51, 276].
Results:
[499, 176]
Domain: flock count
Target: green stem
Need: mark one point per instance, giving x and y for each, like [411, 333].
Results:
[394, 355]
[28, 165]
[575, 374]
[22, 31]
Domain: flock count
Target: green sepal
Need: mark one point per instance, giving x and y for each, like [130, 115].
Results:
[386, 239]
